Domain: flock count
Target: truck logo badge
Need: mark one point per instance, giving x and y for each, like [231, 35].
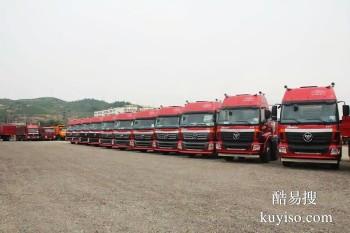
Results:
[235, 136]
[308, 137]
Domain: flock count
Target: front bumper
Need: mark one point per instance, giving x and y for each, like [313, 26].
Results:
[106, 142]
[252, 156]
[300, 160]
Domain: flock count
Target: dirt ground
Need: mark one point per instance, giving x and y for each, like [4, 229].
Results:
[59, 187]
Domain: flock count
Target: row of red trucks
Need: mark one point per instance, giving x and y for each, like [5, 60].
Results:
[29, 132]
[305, 128]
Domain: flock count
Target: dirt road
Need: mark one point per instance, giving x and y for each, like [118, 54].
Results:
[58, 187]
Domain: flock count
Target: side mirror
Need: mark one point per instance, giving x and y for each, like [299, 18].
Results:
[274, 112]
[267, 114]
[346, 110]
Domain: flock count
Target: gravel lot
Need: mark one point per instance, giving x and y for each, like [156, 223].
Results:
[59, 187]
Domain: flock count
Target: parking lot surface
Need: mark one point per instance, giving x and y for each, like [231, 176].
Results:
[59, 187]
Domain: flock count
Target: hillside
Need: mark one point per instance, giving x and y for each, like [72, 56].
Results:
[51, 109]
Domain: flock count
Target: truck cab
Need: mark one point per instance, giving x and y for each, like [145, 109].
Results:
[47, 133]
[106, 137]
[244, 128]
[168, 129]
[95, 131]
[198, 128]
[308, 128]
[123, 131]
[143, 128]
[72, 129]
[84, 131]
[345, 129]
[32, 132]
[7, 131]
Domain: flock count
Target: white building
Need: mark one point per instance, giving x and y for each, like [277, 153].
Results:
[112, 111]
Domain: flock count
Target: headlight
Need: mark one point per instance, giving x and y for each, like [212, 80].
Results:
[335, 151]
[256, 147]
[282, 149]
[179, 146]
[211, 146]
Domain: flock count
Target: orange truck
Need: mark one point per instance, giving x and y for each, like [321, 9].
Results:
[60, 132]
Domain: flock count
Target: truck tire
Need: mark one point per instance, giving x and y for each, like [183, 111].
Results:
[286, 164]
[335, 166]
[274, 148]
[265, 157]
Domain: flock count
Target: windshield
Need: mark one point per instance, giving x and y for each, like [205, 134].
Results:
[241, 116]
[144, 124]
[107, 125]
[123, 124]
[309, 113]
[33, 130]
[50, 130]
[163, 122]
[96, 126]
[197, 119]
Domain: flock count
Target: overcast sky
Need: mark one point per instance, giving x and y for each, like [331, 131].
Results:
[165, 52]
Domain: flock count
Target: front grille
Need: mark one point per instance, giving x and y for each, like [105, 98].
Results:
[237, 140]
[195, 136]
[143, 143]
[238, 136]
[84, 140]
[122, 142]
[167, 144]
[319, 144]
[106, 141]
[122, 136]
[235, 145]
[167, 136]
[93, 140]
[143, 137]
[195, 145]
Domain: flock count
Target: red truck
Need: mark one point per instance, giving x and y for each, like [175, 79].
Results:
[47, 133]
[70, 130]
[32, 132]
[95, 130]
[244, 128]
[345, 128]
[123, 131]
[308, 127]
[143, 128]
[168, 129]
[20, 132]
[106, 136]
[7, 131]
[198, 128]
[84, 128]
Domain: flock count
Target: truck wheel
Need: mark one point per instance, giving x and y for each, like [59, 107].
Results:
[229, 159]
[266, 156]
[286, 164]
[213, 156]
[335, 166]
